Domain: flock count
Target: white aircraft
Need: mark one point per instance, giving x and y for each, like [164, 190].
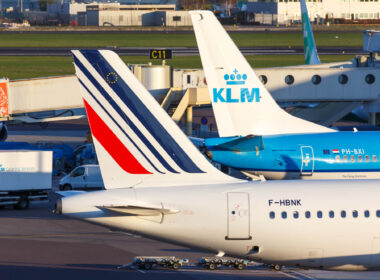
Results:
[256, 136]
[160, 186]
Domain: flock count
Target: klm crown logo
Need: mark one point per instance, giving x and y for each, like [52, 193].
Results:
[226, 95]
[235, 79]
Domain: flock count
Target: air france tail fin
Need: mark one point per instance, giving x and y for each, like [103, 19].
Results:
[310, 50]
[241, 104]
[136, 142]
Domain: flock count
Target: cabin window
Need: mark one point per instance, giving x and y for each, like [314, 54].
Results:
[343, 79]
[370, 79]
[263, 79]
[366, 213]
[272, 215]
[316, 79]
[307, 214]
[374, 158]
[352, 158]
[337, 158]
[284, 215]
[366, 158]
[343, 214]
[319, 214]
[354, 213]
[331, 214]
[295, 215]
[378, 213]
[289, 79]
[345, 158]
[360, 158]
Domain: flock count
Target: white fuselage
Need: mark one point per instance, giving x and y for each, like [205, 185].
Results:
[235, 219]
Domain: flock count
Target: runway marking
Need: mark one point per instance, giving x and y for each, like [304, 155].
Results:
[124, 266]
[305, 275]
[301, 276]
[131, 266]
[290, 275]
[141, 271]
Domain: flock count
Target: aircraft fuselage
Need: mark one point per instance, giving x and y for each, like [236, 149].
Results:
[294, 223]
[340, 155]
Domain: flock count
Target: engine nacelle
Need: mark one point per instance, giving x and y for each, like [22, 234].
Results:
[3, 132]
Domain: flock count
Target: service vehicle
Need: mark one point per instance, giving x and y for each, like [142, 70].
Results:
[148, 262]
[25, 176]
[214, 262]
[85, 177]
[85, 154]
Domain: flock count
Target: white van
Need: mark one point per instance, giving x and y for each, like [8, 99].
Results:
[85, 177]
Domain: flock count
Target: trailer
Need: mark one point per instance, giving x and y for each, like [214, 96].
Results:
[148, 262]
[214, 262]
[25, 175]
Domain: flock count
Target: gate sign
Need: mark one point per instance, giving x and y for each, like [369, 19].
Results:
[3, 98]
[160, 54]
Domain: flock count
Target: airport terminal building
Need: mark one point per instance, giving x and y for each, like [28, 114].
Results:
[288, 11]
[116, 14]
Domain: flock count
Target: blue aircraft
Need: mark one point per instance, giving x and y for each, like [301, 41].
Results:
[258, 137]
[341, 155]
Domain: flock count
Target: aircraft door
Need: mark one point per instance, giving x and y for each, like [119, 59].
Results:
[307, 164]
[238, 216]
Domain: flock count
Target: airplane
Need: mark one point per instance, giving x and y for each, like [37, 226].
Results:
[259, 138]
[310, 50]
[158, 185]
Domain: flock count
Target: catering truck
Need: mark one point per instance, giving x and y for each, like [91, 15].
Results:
[25, 175]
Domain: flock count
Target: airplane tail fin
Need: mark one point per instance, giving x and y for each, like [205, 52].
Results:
[241, 104]
[136, 142]
[310, 49]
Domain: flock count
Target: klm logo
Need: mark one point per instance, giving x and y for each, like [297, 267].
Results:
[224, 95]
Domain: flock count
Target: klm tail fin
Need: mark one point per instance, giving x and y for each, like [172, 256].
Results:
[241, 104]
[310, 50]
[136, 142]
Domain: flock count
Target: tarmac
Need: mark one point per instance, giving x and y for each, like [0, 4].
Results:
[37, 244]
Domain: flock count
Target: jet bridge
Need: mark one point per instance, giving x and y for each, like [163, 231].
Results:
[20, 100]
[321, 93]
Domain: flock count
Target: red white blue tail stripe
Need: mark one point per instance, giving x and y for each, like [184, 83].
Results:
[168, 147]
[137, 143]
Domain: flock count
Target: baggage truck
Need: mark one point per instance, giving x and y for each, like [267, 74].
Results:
[25, 175]
[148, 262]
[214, 262]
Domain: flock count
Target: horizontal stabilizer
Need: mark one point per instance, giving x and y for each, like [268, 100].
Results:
[137, 210]
[248, 143]
[68, 193]
[197, 142]
[245, 144]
